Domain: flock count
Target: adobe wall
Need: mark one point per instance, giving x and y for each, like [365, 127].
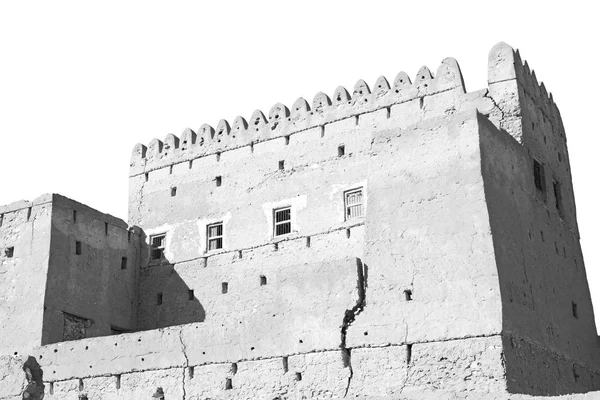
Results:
[91, 285]
[25, 226]
[542, 275]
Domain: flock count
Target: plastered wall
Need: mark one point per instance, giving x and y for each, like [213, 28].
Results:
[25, 227]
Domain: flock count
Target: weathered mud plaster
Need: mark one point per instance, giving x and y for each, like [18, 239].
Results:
[462, 277]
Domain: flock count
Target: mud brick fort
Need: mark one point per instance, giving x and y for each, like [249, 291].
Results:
[407, 240]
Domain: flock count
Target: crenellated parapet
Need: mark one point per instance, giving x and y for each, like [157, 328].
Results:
[502, 102]
[505, 65]
[302, 115]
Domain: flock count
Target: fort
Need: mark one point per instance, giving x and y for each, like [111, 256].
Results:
[408, 241]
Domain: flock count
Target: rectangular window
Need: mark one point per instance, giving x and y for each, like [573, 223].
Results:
[190, 295]
[9, 252]
[123, 262]
[159, 299]
[74, 215]
[538, 175]
[157, 246]
[282, 221]
[353, 201]
[557, 197]
[78, 248]
[214, 236]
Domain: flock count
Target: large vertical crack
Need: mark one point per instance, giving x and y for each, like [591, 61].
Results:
[350, 316]
[187, 363]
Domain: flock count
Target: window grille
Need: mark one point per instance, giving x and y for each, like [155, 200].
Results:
[354, 203]
[157, 246]
[283, 221]
[215, 236]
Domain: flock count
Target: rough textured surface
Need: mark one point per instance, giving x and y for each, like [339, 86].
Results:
[462, 279]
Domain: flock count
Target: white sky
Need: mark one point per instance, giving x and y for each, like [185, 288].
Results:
[82, 82]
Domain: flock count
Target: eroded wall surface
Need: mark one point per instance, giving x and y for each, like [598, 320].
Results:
[93, 293]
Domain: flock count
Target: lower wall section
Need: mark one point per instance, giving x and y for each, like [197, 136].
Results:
[469, 368]
[538, 371]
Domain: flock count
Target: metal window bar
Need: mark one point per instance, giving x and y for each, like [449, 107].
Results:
[215, 236]
[157, 245]
[283, 221]
[354, 206]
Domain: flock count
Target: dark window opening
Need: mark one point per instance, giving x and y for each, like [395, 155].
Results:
[574, 309]
[308, 241]
[173, 191]
[408, 353]
[283, 221]
[263, 280]
[224, 287]
[9, 252]
[190, 164]
[147, 175]
[408, 295]
[123, 262]
[234, 368]
[78, 248]
[170, 169]
[240, 254]
[214, 236]
[228, 384]
[287, 140]
[341, 150]
[157, 246]
[190, 295]
[191, 372]
[80, 385]
[75, 327]
[298, 376]
[285, 365]
[348, 233]
[281, 164]
[557, 197]
[218, 154]
[218, 180]
[28, 213]
[106, 229]
[118, 381]
[159, 299]
[538, 175]
[74, 215]
[1, 219]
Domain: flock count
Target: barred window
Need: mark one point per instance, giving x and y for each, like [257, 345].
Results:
[282, 221]
[214, 236]
[353, 201]
[157, 246]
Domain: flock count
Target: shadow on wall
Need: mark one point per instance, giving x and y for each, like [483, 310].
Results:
[164, 298]
[34, 390]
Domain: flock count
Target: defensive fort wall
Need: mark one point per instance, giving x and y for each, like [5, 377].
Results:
[461, 276]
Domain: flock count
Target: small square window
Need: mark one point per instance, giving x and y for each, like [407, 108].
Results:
[408, 295]
[263, 280]
[157, 246]
[9, 252]
[353, 203]
[341, 150]
[123, 262]
[173, 191]
[282, 221]
[214, 236]
[224, 287]
[282, 164]
[78, 248]
[218, 180]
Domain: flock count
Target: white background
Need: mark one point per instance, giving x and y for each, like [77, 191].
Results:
[82, 82]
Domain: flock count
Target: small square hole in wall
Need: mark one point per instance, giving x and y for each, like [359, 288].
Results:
[263, 280]
[574, 309]
[173, 191]
[341, 150]
[190, 295]
[281, 164]
[298, 376]
[123, 262]
[408, 295]
[159, 299]
[218, 180]
[9, 252]
[78, 248]
[228, 384]
[224, 287]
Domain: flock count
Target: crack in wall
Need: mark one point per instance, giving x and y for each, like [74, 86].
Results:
[350, 316]
[187, 363]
